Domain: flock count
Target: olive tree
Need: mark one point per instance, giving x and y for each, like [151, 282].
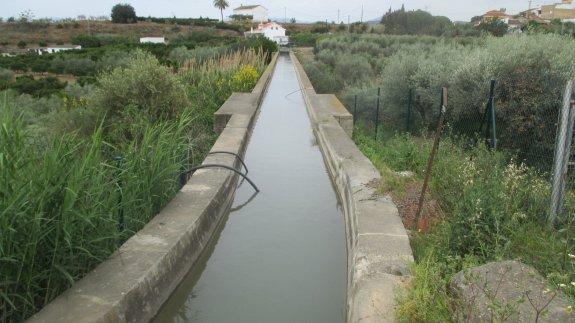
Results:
[123, 13]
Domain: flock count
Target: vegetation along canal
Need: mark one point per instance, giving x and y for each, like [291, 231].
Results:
[282, 256]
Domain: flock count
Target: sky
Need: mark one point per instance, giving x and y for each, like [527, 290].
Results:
[301, 10]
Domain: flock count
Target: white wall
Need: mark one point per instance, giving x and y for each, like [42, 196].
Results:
[259, 13]
[152, 40]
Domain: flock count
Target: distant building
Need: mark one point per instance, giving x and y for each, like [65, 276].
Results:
[495, 15]
[152, 40]
[271, 31]
[259, 13]
[565, 11]
[54, 49]
[515, 25]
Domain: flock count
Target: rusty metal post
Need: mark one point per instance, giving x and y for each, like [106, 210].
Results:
[432, 154]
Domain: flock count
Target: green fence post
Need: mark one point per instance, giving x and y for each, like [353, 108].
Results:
[354, 109]
[409, 98]
[377, 112]
[492, 113]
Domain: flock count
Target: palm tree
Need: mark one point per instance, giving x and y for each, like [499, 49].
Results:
[221, 4]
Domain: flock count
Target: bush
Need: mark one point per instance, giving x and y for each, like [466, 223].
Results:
[6, 75]
[245, 78]
[124, 13]
[144, 88]
[353, 69]
[43, 43]
[22, 44]
[86, 41]
[322, 77]
[423, 65]
[259, 43]
[304, 39]
[38, 88]
[417, 22]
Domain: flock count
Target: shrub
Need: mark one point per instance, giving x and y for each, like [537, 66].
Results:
[41, 87]
[6, 75]
[245, 78]
[124, 13]
[323, 78]
[180, 55]
[22, 44]
[353, 69]
[144, 88]
[304, 39]
[425, 64]
[42, 43]
[86, 41]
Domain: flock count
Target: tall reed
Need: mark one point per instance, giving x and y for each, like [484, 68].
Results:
[67, 201]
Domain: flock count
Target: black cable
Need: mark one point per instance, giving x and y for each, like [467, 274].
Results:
[193, 169]
[231, 153]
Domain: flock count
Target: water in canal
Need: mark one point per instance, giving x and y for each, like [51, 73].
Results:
[281, 257]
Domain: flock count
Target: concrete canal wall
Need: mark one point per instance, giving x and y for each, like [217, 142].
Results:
[136, 280]
[379, 254]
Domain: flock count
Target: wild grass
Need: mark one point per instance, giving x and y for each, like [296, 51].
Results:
[69, 198]
[495, 209]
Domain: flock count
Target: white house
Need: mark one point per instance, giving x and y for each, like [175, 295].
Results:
[54, 49]
[152, 40]
[271, 31]
[259, 13]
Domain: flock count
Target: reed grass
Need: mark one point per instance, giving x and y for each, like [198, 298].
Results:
[68, 201]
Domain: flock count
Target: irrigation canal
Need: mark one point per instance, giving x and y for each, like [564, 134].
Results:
[282, 256]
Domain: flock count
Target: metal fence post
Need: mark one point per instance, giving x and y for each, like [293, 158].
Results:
[432, 153]
[492, 114]
[562, 152]
[377, 112]
[354, 109]
[409, 98]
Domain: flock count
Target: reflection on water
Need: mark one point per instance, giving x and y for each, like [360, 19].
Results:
[281, 255]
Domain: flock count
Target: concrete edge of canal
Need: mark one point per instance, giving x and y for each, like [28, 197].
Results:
[379, 253]
[135, 281]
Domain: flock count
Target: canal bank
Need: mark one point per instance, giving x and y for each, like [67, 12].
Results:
[282, 256]
[378, 251]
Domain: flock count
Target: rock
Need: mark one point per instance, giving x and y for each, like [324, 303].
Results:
[405, 174]
[508, 291]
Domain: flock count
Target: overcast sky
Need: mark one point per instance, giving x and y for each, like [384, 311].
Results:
[302, 10]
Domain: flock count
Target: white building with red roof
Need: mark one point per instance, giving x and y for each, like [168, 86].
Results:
[272, 31]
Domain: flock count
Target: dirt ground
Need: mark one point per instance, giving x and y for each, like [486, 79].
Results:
[407, 202]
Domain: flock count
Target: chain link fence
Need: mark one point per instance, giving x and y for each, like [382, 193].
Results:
[504, 120]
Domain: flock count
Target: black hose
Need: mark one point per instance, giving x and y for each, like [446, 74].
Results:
[231, 153]
[193, 169]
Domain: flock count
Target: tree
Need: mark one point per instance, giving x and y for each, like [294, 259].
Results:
[123, 13]
[221, 4]
[496, 27]
[418, 22]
